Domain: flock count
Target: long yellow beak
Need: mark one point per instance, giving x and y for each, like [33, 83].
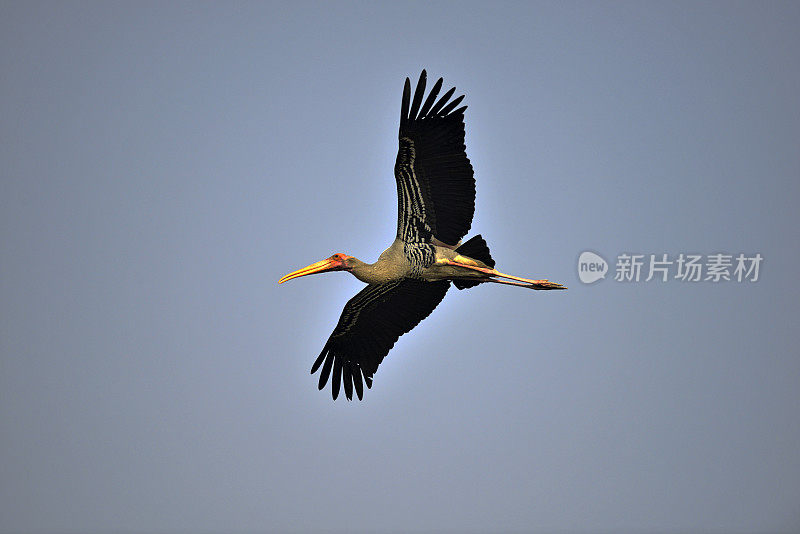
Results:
[314, 268]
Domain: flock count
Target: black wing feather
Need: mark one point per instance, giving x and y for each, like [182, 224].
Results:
[451, 106]
[442, 101]
[406, 98]
[426, 107]
[418, 93]
[435, 183]
[357, 382]
[336, 380]
[347, 378]
[368, 328]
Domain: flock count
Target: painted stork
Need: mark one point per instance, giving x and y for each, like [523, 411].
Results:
[436, 202]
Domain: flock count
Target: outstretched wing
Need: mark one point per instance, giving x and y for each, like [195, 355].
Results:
[370, 324]
[435, 184]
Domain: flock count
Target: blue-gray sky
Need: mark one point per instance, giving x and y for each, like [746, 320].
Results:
[163, 164]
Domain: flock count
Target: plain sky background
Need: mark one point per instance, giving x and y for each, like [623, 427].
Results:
[163, 164]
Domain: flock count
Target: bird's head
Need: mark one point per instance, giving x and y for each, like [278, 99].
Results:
[337, 262]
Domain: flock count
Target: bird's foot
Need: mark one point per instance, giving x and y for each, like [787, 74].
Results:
[545, 285]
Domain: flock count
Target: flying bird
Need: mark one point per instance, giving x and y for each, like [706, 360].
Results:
[435, 205]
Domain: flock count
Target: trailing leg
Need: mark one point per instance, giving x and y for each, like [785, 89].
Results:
[494, 274]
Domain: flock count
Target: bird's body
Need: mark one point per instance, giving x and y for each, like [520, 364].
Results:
[393, 264]
[436, 202]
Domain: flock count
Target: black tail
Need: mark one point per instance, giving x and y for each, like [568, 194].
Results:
[475, 248]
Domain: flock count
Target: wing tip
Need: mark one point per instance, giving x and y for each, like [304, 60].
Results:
[345, 375]
[413, 109]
